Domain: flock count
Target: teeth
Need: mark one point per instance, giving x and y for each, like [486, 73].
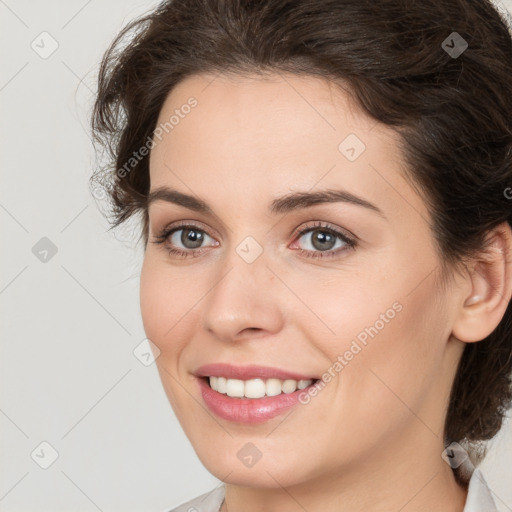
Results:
[221, 385]
[235, 388]
[256, 388]
[273, 387]
[303, 384]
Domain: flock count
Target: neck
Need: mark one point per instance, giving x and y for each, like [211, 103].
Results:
[411, 480]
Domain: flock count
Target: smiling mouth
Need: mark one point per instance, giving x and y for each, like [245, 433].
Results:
[256, 388]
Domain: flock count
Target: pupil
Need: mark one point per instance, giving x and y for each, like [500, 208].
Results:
[323, 240]
[191, 236]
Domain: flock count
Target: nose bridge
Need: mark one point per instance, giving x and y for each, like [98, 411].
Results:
[242, 298]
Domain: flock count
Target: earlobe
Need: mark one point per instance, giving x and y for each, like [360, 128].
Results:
[490, 282]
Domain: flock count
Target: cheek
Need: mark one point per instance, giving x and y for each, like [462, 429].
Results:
[388, 331]
[346, 307]
[398, 365]
[385, 305]
[151, 300]
[167, 316]
[159, 303]
[170, 304]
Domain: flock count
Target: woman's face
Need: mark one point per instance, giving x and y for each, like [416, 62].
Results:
[353, 303]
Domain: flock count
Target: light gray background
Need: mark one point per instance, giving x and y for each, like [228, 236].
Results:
[69, 376]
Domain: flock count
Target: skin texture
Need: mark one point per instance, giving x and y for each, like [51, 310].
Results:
[372, 438]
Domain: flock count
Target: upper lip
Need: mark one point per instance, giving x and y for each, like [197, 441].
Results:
[248, 372]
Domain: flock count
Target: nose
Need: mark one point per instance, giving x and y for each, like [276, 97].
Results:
[244, 301]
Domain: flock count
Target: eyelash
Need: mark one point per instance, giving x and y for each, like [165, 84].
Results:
[351, 243]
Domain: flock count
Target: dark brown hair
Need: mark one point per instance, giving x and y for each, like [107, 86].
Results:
[452, 111]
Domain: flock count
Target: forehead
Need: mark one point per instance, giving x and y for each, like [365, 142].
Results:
[274, 134]
[272, 114]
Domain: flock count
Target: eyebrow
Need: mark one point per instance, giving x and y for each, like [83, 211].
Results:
[284, 204]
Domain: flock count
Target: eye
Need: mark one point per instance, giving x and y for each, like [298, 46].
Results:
[188, 236]
[323, 241]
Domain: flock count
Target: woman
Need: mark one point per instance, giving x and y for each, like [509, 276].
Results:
[325, 194]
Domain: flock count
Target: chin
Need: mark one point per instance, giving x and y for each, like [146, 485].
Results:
[228, 465]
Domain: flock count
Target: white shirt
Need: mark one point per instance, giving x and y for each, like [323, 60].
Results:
[479, 498]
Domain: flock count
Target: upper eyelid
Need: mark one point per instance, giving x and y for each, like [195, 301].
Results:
[175, 226]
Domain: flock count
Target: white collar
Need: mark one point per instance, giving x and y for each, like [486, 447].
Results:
[479, 495]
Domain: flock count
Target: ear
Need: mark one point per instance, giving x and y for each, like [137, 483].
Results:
[490, 288]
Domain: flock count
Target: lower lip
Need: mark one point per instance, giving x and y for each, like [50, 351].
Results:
[248, 410]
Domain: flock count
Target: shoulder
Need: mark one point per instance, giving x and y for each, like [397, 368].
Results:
[208, 502]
